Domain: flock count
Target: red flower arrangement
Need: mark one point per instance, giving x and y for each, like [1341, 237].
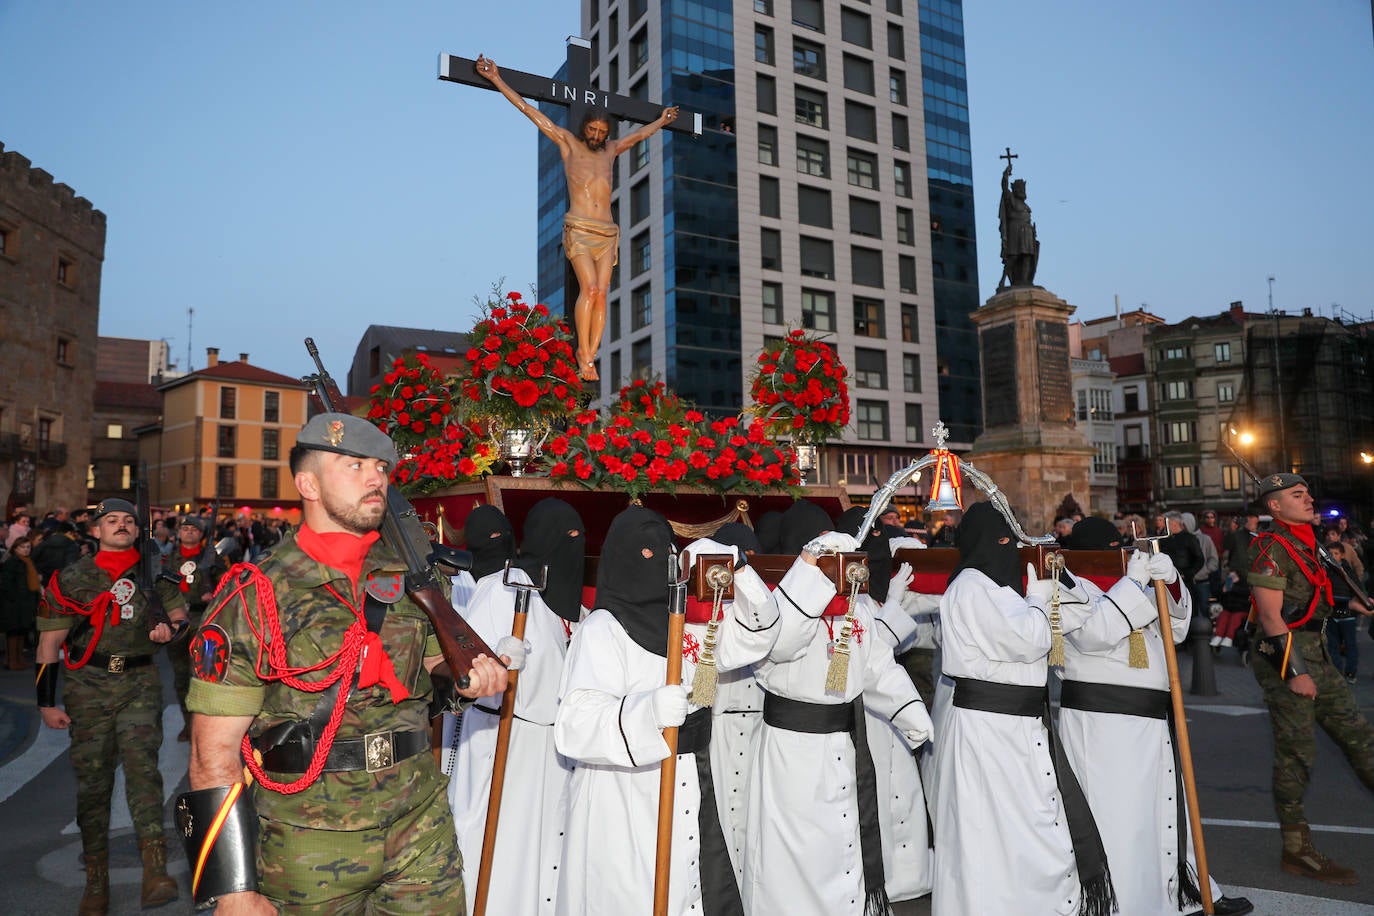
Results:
[799, 389]
[520, 370]
[415, 405]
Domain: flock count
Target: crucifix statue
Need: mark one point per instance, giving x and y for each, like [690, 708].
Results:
[591, 240]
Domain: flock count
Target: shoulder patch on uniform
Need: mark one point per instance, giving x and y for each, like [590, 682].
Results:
[210, 651]
[386, 587]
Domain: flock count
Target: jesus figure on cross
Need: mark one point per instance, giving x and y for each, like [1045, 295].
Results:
[590, 239]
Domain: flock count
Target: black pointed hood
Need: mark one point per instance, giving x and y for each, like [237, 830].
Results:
[632, 576]
[977, 538]
[555, 537]
[489, 537]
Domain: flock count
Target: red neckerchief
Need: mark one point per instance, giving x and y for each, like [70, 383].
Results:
[116, 562]
[1303, 533]
[341, 550]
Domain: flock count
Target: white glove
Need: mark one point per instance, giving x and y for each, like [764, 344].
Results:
[1162, 568]
[1138, 568]
[832, 542]
[702, 547]
[669, 705]
[900, 581]
[1038, 588]
[514, 649]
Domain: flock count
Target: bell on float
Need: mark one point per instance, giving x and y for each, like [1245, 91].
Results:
[946, 498]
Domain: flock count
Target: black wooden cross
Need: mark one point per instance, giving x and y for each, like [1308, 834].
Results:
[1009, 156]
[578, 92]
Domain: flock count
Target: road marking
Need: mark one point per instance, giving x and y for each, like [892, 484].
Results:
[1273, 825]
[173, 758]
[1229, 710]
[50, 744]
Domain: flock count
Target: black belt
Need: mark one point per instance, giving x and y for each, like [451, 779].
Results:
[829, 718]
[372, 752]
[1008, 699]
[1315, 625]
[116, 664]
[1115, 698]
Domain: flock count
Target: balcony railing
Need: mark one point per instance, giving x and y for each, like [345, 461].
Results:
[52, 454]
[1132, 452]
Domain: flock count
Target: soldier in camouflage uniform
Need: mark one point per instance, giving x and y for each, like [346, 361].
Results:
[197, 568]
[373, 831]
[113, 696]
[1292, 597]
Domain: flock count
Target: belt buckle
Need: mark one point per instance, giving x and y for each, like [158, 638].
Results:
[379, 751]
[116, 665]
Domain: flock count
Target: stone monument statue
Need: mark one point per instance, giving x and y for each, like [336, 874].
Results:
[1020, 247]
[590, 239]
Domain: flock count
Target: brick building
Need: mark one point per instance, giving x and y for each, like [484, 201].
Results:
[52, 245]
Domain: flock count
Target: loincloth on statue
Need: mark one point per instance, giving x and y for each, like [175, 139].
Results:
[582, 235]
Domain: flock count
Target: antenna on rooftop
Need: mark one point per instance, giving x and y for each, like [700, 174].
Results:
[190, 322]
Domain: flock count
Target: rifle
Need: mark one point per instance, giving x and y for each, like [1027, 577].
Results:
[149, 555]
[404, 533]
[1356, 590]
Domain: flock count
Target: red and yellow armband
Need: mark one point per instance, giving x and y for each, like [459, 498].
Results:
[220, 830]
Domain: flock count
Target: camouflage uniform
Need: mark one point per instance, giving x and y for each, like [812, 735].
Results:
[381, 841]
[209, 568]
[1293, 716]
[116, 717]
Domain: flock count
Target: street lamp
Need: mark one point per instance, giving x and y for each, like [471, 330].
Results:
[1245, 439]
[1368, 460]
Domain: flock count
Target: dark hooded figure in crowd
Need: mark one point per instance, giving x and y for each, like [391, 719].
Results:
[555, 537]
[489, 537]
[802, 523]
[769, 531]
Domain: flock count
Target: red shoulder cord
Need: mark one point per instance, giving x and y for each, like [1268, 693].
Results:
[96, 611]
[267, 628]
[1315, 574]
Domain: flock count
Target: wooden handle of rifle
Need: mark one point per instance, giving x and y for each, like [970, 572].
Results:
[498, 767]
[667, 774]
[458, 642]
[1185, 750]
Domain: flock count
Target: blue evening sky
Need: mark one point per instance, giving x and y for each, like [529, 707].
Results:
[295, 168]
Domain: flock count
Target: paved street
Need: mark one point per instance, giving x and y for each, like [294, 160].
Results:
[39, 843]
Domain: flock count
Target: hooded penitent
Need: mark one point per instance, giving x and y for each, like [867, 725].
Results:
[489, 537]
[769, 531]
[979, 539]
[874, 542]
[802, 523]
[738, 534]
[632, 578]
[1093, 534]
[555, 537]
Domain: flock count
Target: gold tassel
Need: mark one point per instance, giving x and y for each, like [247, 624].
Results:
[705, 678]
[837, 675]
[1139, 657]
[1055, 565]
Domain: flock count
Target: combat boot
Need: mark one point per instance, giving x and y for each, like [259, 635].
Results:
[1300, 857]
[158, 886]
[96, 900]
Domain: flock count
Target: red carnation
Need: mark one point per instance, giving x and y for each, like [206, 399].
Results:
[525, 393]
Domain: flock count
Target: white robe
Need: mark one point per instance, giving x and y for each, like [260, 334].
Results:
[524, 874]
[1125, 764]
[737, 718]
[805, 855]
[606, 725]
[1001, 839]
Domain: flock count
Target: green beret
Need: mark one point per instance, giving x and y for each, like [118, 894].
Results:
[1276, 482]
[346, 434]
[115, 504]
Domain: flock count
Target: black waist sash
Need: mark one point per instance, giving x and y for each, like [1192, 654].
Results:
[1117, 699]
[1098, 897]
[719, 892]
[829, 718]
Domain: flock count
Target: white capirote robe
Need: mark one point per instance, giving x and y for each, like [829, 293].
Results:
[804, 855]
[605, 724]
[1001, 839]
[1125, 764]
[524, 874]
[737, 718]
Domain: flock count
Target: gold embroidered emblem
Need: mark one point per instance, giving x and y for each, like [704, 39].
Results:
[336, 433]
[1276, 480]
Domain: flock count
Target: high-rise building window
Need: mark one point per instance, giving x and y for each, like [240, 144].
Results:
[901, 132]
[906, 227]
[228, 400]
[896, 42]
[813, 157]
[813, 206]
[866, 266]
[911, 326]
[817, 258]
[763, 7]
[771, 299]
[639, 156]
[865, 217]
[770, 197]
[224, 481]
[870, 368]
[616, 369]
[808, 59]
[641, 307]
[818, 310]
[613, 317]
[906, 273]
[269, 484]
[271, 407]
[763, 45]
[871, 419]
[639, 49]
[863, 169]
[911, 373]
[858, 74]
[767, 91]
[901, 178]
[810, 107]
[770, 247]
[860, 121]
[809, 14]
[856, 28]
[894, 6]
[642, 358]
[225, 442]
[768, 145]
[639, 254]
[896, 86]
[639, 201]
[914, 422]
[271, 444]
[868, 317]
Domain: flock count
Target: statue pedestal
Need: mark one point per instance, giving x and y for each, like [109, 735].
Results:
[1030, 445]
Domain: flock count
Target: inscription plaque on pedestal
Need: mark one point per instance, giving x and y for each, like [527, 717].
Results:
[1056, 386]
[999, 376]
